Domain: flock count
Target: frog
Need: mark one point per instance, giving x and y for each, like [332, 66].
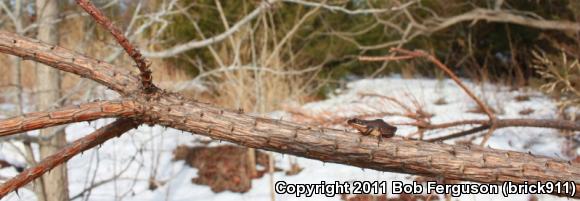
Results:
[377, 128]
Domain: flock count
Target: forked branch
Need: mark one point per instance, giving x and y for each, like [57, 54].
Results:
[142, 64]
[98, 137]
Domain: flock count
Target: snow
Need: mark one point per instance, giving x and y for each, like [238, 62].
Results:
[146, 152]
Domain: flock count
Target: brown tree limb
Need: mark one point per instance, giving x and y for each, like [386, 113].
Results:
[502, 123]
[117, 79]
[505, 16]
[98, 137]
[142, 64]
[460, 134]
[71, 114]
[330, 145]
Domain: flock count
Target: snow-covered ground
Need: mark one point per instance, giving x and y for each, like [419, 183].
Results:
[121, 168]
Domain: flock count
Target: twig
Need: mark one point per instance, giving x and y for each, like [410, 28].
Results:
[460, 134]
[194, 44]
[142, 64]
[502, 123]
[385, 58]
[98, 137]
[339, 8]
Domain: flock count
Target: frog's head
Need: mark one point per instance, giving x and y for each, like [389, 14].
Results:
[355, 121]
[359, 124]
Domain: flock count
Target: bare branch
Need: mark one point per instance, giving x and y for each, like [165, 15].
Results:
[460, 134]
[338, 8]
[117, 79]
[502, 123]
[98, 137]
[338, 146]
[100, 18]
[435, 23]
[209, 41]
[505, 16]
[83, 112]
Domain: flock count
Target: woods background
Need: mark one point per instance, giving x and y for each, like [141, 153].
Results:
[322, 38]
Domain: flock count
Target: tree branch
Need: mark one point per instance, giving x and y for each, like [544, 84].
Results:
[83, 112]
[209, 41]
[502, 123]
[146, 79]
[339, 8]
[504, 16]
[98, 137]
[330, 145]
[116, 79]
[460, 134]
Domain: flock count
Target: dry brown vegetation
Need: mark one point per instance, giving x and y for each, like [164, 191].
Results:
[222, 167]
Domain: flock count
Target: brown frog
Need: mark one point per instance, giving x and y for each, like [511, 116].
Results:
[377, 128]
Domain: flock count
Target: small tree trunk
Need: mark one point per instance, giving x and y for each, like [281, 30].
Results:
[48, 93]
[16, 81]
[251, 163]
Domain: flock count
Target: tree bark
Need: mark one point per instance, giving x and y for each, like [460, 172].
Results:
[48, 88]
[460, 162]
